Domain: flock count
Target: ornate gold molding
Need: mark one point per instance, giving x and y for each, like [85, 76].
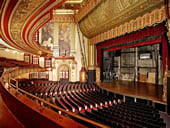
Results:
[33, 30]
[168, 33]
[148, 19]
[91, 67]
[92, 54]
[63, 18]
[18, 19]
[14, 73]
[86, 9]
[112, 13]
[83, 76]
[63, 66]
[20, 14]
[98, 74]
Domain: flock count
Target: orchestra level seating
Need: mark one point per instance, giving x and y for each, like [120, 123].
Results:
[90, 101]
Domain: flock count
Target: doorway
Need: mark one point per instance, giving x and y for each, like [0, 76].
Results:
[63, 73]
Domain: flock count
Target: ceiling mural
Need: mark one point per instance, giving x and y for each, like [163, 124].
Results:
[112, 13]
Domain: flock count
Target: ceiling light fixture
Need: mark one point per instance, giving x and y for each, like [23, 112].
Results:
[74, 1]
[64, 12]
[7, 50]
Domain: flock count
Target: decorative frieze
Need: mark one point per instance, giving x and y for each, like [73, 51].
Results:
[148, 19]
[86, 9]
[63, 18]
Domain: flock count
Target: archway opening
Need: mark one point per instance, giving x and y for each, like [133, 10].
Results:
[63, 73]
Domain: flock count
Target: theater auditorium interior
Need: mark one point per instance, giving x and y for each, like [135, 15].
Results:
[84, 63]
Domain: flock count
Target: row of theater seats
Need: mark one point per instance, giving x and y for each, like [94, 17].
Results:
[125, 116]
[88, 100]
[8, 63]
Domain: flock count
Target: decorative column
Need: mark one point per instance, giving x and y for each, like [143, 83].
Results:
[164, 97]
[83, 73]
[92, 55]
[93, 71]
[168, 33]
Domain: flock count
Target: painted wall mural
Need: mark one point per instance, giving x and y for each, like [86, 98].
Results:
[48, 34]
[59, 37]
[64, 39]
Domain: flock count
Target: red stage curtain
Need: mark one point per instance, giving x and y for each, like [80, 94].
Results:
[135, 45]
[139, 35]
[165, 53]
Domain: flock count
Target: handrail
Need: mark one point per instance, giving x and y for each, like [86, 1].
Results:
[58, 108]
[90, 122]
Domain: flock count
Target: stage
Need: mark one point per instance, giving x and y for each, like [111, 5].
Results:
[146, 91]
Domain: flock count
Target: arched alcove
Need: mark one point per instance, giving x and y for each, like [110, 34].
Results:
[63, 72]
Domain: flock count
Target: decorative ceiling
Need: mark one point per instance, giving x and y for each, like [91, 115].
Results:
[70, 7]
[21, 19]
[112, 13]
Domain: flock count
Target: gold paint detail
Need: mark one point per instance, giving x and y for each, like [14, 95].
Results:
[63, 18]
[92, 57]
[148, 19]
[16, 72]
[33, 30]
[64, 67]
[168, 27]
[87, 9]
[91, 67]
[19, 17]
[83, 77]
[112, 13]
[166, 74]
[23, 10]
[98, 74]
[69, 64]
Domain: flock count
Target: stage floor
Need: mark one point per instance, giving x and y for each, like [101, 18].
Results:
[136, 89]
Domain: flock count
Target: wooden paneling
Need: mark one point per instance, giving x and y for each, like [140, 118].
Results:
[32, 115]
[7, 119]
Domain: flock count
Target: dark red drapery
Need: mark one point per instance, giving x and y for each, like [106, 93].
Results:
[165, 53]
[167, 7]
[135, 45]
[139, 35]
